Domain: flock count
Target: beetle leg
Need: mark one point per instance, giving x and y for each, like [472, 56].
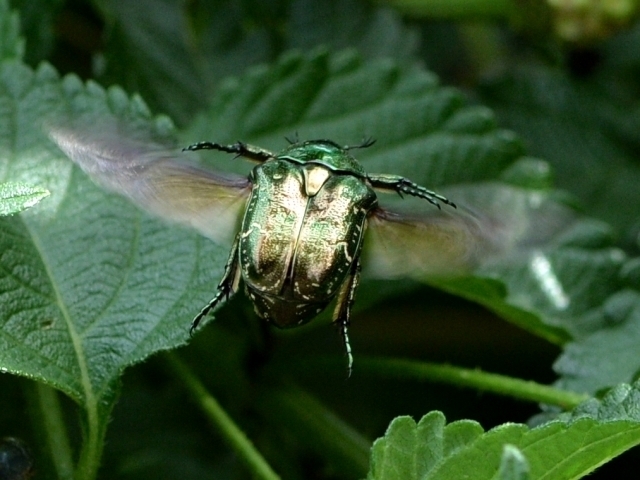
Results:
[402, 185]
[227, 286]
[342, 313]
[241, 149]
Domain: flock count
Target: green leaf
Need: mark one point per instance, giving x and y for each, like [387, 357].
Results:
[11, 44]
[607, 355]
[37, 18]
[567, 123]
[423, 129]
[373, 30]
[570, 447]
[175, 54]
[413, 451]
[78, 274]
[15, 197]
[513, 465]
[149, 52]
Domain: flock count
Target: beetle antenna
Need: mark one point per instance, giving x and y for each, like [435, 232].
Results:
[366, 143]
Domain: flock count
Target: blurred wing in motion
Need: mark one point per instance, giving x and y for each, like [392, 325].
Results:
[435, 244]
[159, 181]
[415, 240]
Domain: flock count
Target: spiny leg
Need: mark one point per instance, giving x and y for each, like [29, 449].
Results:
[402, 185]
[241, 149]
[342, 313]
[225, 287]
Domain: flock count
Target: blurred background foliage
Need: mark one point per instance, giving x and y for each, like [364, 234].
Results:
[564, 75]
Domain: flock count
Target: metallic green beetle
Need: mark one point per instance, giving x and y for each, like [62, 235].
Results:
[306, 210]
[301, 237]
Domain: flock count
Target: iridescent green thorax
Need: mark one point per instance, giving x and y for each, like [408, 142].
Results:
[323, 152]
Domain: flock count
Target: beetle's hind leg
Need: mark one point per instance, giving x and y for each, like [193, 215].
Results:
[241, 149]
[226, 287]
[342, 313]
[402, 185]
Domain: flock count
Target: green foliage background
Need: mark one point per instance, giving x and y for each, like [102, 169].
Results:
[471, 98]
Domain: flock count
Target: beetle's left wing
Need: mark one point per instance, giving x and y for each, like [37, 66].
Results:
[159, 181]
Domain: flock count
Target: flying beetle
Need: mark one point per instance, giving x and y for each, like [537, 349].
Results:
[306, 212]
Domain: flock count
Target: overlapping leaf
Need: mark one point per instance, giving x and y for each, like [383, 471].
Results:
[175, 54]
[569, 447]
[15, 197]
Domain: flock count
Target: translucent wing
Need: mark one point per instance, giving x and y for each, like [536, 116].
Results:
[160, 182]
[434, 244]
[417, 240]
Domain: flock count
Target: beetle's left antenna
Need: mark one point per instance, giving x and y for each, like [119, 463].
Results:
[241, 149]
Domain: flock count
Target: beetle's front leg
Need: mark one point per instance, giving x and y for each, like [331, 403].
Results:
[402, 185]
[241, 149]
[342, 313]
[226, 287]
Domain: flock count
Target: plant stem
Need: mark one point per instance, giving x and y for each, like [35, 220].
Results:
[93, 444]
[317, 427]
[487, 382]
[455, 9]
[222, 422]
[55, 430]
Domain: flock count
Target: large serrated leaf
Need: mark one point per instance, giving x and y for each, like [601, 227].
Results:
[89, 285]
[423, 129]
[567, 448]
[147, 49]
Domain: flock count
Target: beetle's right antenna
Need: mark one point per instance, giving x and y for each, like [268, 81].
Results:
[296, 139]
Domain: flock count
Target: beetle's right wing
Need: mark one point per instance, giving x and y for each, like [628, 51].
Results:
[437, 243]
[416, 240]
[160, 182]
